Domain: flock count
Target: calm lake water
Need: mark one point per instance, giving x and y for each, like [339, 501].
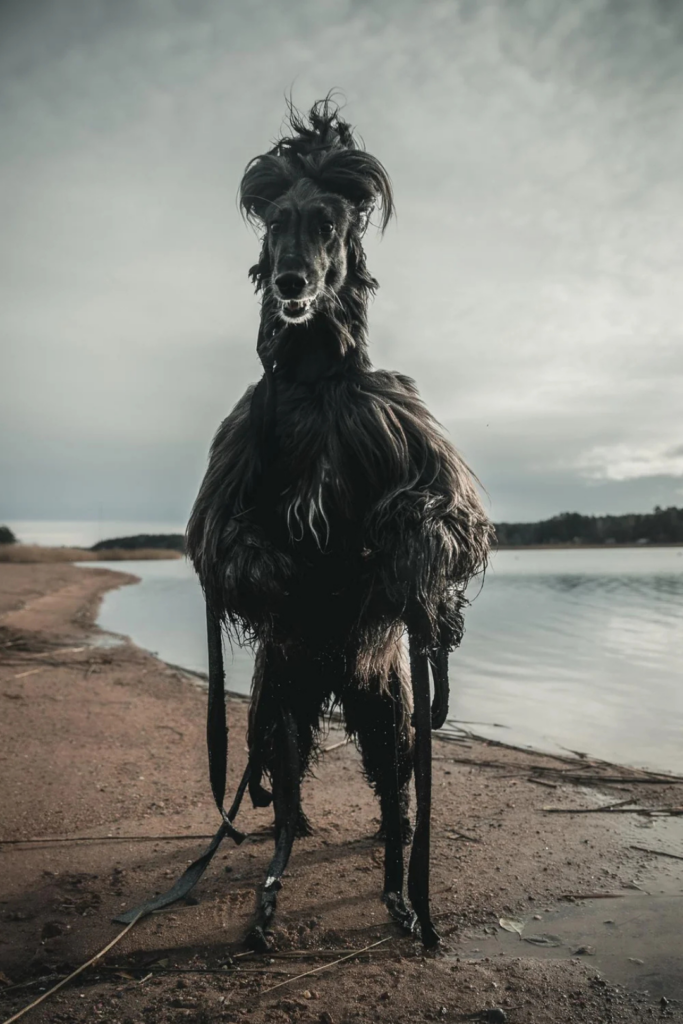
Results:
[576, 649]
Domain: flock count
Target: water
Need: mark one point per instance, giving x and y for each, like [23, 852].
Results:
[165, 614]
[581, 649]
[577, 649]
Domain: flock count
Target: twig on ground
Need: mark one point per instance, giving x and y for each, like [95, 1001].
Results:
[324, 967]
[38, 840]
[590, 810]
[172, 728]
[597, 762]
[567, 775]
[490, 725]
[659, 853]
[507, 746]
[464, 836]
[647, 812]
[29, 984]
[474, 763]
[594, 895]
[74, 974]
[61, 650]
[225, 971]
[635, 780]
[309, 954]
[336, 746]
[577, 763]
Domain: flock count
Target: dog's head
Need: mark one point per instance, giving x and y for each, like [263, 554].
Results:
[313, 194]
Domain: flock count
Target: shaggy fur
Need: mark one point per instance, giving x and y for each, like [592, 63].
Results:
[334, 514]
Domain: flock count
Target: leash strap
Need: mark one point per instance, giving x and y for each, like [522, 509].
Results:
[217, 728]
[418, 870]
[217, 743]
[182, 887]
[438, 660]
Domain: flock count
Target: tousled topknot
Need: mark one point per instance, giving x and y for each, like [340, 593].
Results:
[322, 148]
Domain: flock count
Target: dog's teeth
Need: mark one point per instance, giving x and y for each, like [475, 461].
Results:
[291, 308]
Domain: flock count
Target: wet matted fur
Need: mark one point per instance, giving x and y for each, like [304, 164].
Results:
[334, 515]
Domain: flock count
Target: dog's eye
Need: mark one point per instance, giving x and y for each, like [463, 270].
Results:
[274, 228]
[327, 228]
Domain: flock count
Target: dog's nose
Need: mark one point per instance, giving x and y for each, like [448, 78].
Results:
[290, 285]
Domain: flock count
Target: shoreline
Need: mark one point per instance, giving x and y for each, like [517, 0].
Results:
[23, 554]
[100, 741]
[583, 547]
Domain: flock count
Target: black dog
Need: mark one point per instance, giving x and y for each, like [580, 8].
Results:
[334, 515]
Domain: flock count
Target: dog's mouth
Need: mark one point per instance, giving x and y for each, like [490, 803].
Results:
[294, 311]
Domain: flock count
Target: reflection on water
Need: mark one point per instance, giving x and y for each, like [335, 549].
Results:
[581, 649]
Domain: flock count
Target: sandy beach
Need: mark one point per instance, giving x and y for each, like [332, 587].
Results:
[100, 739]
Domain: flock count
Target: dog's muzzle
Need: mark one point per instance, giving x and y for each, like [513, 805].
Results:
[296, 311]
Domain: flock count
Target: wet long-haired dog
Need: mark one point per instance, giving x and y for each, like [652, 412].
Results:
[334, 516]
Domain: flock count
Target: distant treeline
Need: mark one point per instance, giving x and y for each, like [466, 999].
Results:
[162, 541]
[662, 526]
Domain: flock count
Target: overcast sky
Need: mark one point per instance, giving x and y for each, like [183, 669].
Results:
[532, 283]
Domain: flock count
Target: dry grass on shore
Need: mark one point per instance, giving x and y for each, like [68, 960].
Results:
[39, 553]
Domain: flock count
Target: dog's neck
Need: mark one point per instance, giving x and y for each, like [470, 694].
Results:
[331, 342]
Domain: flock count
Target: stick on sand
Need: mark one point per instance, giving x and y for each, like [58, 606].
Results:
[315, 970]
[79, 970]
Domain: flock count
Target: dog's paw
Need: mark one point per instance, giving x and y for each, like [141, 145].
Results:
[259, 941]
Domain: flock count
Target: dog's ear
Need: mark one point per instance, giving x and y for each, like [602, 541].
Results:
[265, 179]
[358, 268]
[361, 179]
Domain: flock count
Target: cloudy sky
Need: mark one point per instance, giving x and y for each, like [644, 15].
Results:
[532, 283]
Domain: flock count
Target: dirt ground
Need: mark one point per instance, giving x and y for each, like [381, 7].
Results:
[107, 741]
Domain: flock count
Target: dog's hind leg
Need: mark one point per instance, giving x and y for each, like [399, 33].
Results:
[381, 723]
[418, 871]
[260, 797]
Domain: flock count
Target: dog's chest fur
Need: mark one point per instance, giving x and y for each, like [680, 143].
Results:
[323, 488]
[308, 504]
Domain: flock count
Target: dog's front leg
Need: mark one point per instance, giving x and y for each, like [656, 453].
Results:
[287, 801]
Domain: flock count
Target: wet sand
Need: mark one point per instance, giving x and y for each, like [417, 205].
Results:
[99, 741]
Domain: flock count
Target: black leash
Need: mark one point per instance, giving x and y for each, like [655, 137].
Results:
[217, 743]
[438, 659]
[217, 730]
[418, 870]
[264, 399]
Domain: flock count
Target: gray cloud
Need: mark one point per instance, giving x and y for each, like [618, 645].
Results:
[530, 283]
